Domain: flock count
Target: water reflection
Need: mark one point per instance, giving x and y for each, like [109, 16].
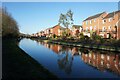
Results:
[99, 60]
[73, 62]
[65, 61]
[103, 61]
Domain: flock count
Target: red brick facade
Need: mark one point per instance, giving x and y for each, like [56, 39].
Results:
[105, 24]
[55, 30]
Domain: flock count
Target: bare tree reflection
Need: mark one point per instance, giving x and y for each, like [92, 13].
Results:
[65, 60]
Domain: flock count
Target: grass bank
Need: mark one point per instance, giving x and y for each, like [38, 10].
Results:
[86, 45]
[16, 64]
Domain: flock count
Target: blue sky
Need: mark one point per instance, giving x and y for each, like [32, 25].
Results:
[36, 16]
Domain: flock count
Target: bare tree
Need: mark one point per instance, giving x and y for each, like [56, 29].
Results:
[66, 20]
[9, 25]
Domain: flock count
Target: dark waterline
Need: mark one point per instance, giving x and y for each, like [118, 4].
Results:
[72, 62]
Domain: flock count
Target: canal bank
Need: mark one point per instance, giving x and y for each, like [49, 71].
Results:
[83, 45]
[16, 64]
[91, 46]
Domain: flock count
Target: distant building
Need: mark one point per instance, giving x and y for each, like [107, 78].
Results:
[60, 31]
[41, 33]
[56, 30]
[76, 29]
[47, 32]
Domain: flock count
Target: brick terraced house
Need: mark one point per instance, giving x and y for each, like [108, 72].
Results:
[104, 24]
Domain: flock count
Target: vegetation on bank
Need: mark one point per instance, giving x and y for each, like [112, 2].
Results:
[89, 42]
[95, 41]
[19, 65]
[9, 25]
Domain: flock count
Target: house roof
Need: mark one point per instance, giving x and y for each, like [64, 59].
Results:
[76, 26]
[112, 14]
[41, 31]
[94, 16]
[62, 28]
[55, 26]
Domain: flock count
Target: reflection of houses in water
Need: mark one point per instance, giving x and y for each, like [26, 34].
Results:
[54, 47]
[103, 62]
[75, 51]
[40, 42]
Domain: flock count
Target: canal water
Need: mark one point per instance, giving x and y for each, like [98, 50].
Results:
[73, 62]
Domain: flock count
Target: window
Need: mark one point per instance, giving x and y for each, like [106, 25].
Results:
[94, 20]
[90, 28]
[110, 19]
[86, 28]
[90, 21]
[103, 21]
[109, 27]
[86, 22]
[103, 29]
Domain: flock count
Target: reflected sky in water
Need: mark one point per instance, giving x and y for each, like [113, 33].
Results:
[73, 62]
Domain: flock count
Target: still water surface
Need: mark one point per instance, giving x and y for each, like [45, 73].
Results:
[73, 62]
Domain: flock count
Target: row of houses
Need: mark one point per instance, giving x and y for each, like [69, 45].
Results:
[104, 24]
[58, 30]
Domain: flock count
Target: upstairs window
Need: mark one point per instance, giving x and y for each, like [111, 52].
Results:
[86, 22]
[103, 21]
[94, 20]
[90, 21]
[110, 19]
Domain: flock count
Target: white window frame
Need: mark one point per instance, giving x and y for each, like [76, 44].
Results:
[91, 28]
[90, 21]
[86, 22]
[103, 28]
[94, 20]
[109, 27]
[86, 28]
[109, 19]
[103, 21]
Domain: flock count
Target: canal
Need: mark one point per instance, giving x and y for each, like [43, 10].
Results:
[73, 62]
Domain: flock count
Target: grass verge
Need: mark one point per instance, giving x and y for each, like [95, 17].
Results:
[16, 64]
